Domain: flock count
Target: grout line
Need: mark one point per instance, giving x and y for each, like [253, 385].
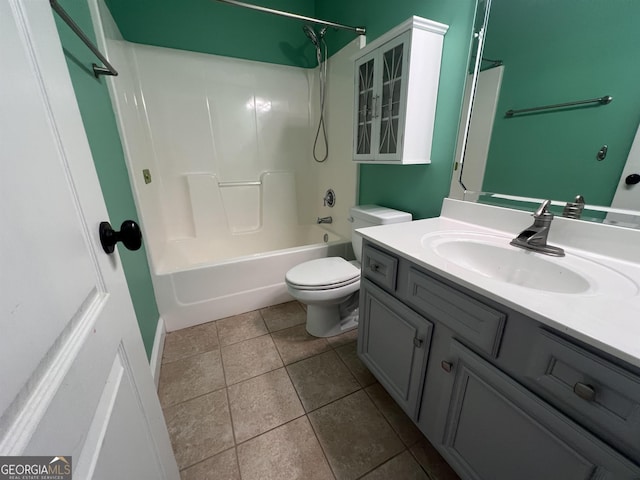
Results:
[384, 463]
[270, 430]
[324, 453]
[209, 458]
[188, 355]
[386, 419]
[192, 398]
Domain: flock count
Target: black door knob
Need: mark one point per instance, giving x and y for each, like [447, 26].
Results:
[632, 179]
[129, 235]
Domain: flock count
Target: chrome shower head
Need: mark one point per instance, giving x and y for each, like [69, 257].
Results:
[311, 33]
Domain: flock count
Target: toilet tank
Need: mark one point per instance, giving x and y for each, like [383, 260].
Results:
[368, 216]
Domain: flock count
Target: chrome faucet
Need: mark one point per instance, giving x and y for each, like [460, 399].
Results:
[325, 220]
[534, 238]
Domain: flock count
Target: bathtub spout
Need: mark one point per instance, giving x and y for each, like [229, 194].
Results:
[325, 220]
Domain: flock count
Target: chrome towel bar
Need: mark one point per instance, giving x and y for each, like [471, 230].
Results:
[97, 70]
[601, 101]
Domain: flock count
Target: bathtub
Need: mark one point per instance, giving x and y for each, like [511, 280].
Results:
[197, 281]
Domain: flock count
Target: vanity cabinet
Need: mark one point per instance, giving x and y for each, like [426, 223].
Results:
[396, 88]
[496, 429]
[500, 396]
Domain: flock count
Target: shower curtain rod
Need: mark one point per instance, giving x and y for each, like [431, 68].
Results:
[358, 30]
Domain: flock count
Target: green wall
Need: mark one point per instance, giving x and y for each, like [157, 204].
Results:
[212, 27]
[556, 52]
[419, 189]
[104, 140]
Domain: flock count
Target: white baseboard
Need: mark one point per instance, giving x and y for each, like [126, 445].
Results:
[155, 362]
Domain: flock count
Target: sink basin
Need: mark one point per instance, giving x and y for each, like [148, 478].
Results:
[492, 257]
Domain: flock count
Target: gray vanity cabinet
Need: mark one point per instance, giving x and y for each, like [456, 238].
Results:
[495, 429]
[394, 343]
[500, 396]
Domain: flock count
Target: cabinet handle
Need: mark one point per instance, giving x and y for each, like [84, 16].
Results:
[584, 391]
[446, 366]
[374, 267]
[417, 342]
[376, 98]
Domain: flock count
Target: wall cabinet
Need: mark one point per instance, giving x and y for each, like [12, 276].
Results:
[396, 88]
[493, 390]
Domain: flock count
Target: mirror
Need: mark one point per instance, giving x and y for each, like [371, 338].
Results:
[539, 53]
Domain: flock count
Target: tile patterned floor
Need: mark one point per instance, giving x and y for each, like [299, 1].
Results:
[255, 397]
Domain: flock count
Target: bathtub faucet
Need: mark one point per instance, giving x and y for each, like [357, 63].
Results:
[325, 220]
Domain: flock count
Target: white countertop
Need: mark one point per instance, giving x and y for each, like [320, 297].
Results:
[608, 320]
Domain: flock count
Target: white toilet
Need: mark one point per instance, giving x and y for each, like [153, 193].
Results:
[329, 286]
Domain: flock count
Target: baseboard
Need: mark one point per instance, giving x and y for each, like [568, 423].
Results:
[155, 361]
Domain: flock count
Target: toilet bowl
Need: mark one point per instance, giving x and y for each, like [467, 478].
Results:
[329, 286]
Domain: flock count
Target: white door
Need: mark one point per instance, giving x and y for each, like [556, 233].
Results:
[479, 134]
[74, 380]
[627, 196]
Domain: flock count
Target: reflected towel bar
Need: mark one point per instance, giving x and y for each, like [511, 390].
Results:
[97, 70]
[601, 101]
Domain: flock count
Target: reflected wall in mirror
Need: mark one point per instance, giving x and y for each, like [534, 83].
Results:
[556, 52]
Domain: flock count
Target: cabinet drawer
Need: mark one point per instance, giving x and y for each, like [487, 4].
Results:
[380, 267]
[603, 396]
[472, 320]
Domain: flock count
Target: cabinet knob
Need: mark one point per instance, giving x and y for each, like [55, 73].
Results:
[584, 391]
[446, 366]
[374, 267]
[417, 342]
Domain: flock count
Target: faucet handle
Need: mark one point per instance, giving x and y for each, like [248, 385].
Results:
[543, 210]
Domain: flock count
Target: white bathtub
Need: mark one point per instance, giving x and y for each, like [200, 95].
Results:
[196, 282]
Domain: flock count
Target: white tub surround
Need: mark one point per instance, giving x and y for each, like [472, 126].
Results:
[604, 317]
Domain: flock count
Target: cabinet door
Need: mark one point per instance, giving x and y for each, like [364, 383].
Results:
[391, 106]
[393, 342]
[498, 430]
[364, 115]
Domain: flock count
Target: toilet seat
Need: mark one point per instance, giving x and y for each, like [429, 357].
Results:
[323, 274]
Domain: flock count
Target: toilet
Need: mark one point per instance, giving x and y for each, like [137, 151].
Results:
[329, 286]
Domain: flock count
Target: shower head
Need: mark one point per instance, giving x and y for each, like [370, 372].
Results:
[315, 37]
[311, 33]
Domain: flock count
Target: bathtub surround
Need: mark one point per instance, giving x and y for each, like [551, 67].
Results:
[104, 141]
[228, 145]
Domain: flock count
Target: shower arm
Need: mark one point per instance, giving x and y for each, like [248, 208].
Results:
[358, 30]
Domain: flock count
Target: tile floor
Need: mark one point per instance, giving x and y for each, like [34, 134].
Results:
[255, 397]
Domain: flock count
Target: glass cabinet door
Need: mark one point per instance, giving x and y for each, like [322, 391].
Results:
[393, 70]
[365, 71]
